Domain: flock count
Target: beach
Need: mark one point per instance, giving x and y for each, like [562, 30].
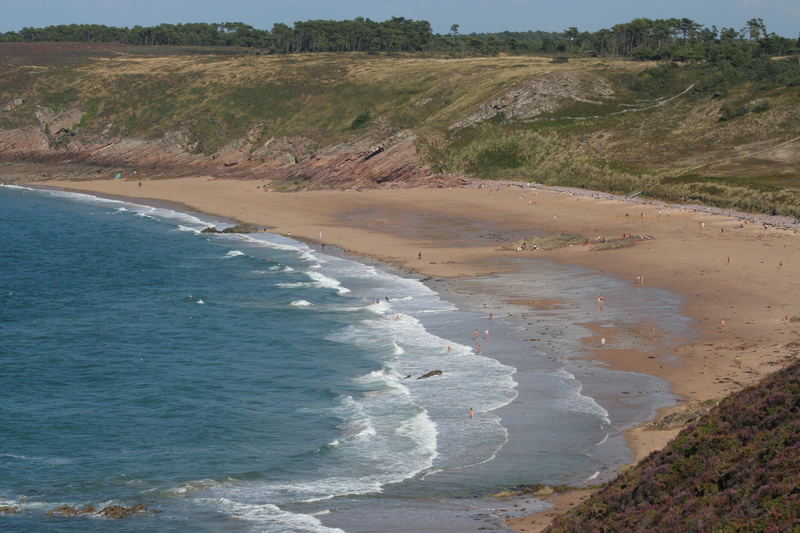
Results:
[737, 281]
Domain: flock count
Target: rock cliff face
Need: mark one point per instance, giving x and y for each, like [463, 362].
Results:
[289, 162]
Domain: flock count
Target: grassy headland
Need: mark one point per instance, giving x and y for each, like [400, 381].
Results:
[721, 135]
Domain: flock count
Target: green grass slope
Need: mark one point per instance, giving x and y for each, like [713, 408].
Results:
[736, 469]
[723, 135]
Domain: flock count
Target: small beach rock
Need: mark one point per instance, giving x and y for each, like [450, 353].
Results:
[210, 229]
[431, 374]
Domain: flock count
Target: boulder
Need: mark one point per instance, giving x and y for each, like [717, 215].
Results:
[9, 509]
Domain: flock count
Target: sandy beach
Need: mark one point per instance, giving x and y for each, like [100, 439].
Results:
[739, 280]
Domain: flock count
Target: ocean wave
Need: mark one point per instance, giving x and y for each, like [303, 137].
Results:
[325, 282]
[278, 242]
[272, 518]
[301, 303]
[233, 253]
[572, 400]
[122, 205]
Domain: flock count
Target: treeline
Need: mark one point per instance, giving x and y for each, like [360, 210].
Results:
[642, 39]
[357, 35]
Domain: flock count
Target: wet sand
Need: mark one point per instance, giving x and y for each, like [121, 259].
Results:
[738, 280]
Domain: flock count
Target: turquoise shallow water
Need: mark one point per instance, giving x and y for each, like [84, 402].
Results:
[240, 383]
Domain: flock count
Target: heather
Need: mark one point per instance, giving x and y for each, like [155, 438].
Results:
[736, 469]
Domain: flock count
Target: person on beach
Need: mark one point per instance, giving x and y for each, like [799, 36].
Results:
[471, 412]
[600, 302]
[602, 341]
[490, 315]
[419, 256]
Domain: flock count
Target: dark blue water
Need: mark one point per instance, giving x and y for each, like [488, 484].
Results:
[217, 379]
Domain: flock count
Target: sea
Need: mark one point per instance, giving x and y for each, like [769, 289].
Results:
[256, 383]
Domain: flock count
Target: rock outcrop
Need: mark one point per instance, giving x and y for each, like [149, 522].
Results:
[238, 228]
[544, 94]
[13, 104]
[431, 374]
[113, 512]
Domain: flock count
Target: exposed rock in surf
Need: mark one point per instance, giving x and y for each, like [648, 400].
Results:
[537, 491]
[116, 512]
[68, 510]
[113, 512]
[238, 228]
[242, 228]
[431, 374]
[9, 509]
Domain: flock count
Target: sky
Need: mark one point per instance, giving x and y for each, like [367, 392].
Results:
[780, 16]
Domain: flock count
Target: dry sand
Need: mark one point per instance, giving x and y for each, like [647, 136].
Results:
[748, 277]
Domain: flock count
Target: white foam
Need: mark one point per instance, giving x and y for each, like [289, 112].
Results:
[271, 517]
[301, 303]
[181, 227]
[593, 476]
[324, 282]
[233, 253]
[293, 285]
[200, 301]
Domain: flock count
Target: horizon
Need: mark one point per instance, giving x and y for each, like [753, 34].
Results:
[472, 16]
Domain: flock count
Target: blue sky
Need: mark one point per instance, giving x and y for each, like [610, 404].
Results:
[780, 16]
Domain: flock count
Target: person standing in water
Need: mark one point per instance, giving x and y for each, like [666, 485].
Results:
[471, 412]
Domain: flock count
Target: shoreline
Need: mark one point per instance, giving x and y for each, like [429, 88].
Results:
[462, 229]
